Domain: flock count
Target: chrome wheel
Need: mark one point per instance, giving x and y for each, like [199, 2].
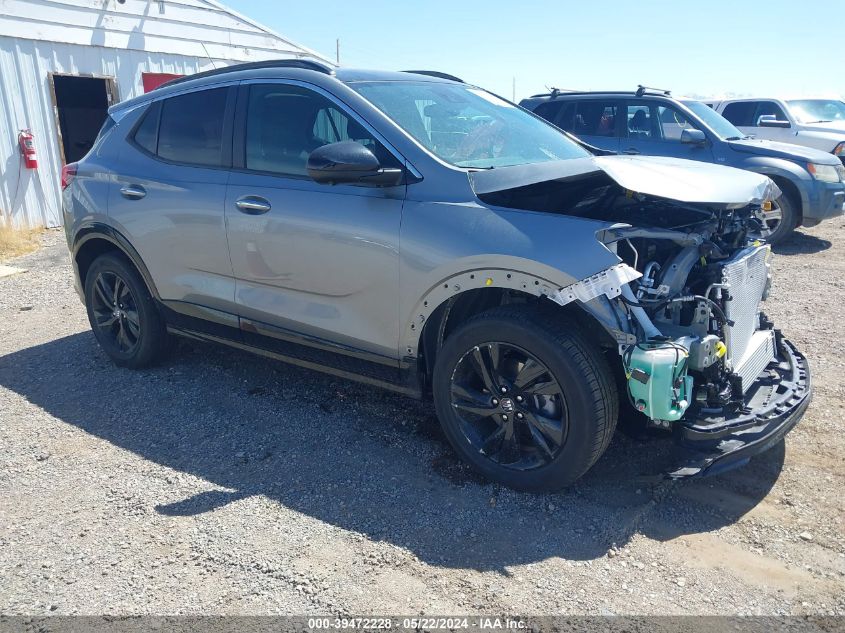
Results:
[115, 312]
[510, 407]
[771, 220]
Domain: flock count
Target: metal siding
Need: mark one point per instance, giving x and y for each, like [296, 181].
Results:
[80, 37]
[34, 197]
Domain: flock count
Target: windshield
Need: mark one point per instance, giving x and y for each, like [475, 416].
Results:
[467, 126]
[723, 128]
[817, 110]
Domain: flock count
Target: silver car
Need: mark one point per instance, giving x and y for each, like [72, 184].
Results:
[424, 235]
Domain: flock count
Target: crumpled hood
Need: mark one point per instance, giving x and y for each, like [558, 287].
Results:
[673, 178]
[688, 180]
[787, 151]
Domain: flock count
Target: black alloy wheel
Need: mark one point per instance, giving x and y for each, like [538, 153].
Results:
[509, 405]
[123, 314]
[525, 397]
[116, 311]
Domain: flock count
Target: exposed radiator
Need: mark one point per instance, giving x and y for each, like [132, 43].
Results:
[760, 353]
[746, 276]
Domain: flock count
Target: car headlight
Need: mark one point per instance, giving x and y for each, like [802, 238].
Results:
[839, 150]
[824, 173]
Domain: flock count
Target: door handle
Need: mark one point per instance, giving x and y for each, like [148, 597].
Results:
[253, 205]
[632, 151]
[133, 192]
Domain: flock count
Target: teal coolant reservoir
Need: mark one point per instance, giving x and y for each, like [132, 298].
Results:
[657, 379]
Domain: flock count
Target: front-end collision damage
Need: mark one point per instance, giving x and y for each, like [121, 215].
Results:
[684, 302]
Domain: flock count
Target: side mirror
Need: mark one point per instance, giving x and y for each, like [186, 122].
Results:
[693, 137]
[349, 162]
[770, 120]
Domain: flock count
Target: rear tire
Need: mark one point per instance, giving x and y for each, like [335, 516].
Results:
[123, 314]
[542, 412]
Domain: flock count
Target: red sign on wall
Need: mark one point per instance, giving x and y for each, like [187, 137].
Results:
[154, 80]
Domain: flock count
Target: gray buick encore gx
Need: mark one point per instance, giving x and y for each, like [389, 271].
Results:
[418, 233]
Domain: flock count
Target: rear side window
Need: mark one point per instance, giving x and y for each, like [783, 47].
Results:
[191, 127]
[146, 134]
[590, 118]
[641, 122]
[740, 113]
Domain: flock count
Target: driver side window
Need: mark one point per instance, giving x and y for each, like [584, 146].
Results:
[285, 123]
[672, 124]
[769, 108]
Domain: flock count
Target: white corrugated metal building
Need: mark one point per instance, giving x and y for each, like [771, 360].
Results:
[62, 62]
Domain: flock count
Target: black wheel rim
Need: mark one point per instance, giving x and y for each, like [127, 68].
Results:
[509, 406]
[116, 312]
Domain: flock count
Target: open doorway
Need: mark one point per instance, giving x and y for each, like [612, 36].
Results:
[81, 107]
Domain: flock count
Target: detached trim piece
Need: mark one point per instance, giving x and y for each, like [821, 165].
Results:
[608, 282]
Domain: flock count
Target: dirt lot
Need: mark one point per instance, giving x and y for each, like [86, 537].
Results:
[224, 483]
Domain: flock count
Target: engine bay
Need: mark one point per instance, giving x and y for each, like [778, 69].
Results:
[690, 300]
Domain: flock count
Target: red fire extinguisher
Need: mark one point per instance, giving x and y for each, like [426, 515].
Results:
[27, 144]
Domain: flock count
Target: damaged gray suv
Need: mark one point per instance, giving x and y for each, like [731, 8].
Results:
[422, 234]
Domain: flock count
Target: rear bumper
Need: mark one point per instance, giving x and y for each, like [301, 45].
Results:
[714, 443]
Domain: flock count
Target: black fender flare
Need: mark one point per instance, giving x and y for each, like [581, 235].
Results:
[101, 231]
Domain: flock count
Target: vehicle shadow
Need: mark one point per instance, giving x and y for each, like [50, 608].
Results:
[800, 243]
[360, 459]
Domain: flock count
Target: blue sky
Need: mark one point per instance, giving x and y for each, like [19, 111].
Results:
[707, 48]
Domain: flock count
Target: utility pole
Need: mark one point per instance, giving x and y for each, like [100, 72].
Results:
[337, 51]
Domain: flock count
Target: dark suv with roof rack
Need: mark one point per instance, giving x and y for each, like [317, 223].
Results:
[417, 233]
[654, 123]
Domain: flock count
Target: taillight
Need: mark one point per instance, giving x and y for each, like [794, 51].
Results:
[68, 174]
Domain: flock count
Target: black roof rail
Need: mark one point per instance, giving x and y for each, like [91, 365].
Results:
[305, 64]
[436, 73]
[554, 93]
[641, 90]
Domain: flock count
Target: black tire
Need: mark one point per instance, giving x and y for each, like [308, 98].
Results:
[130, 329]
[778, 231]
[587, 396]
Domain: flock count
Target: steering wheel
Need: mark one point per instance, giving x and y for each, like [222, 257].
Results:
[682, 121]
[487, 140]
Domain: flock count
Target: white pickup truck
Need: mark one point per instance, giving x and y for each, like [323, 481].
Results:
[813, 122]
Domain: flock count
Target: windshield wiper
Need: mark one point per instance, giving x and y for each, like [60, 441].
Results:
[736, 138]
[822, 121]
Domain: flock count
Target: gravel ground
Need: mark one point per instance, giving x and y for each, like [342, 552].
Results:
[225, 483]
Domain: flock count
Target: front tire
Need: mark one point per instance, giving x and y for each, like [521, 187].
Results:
[122, 313]
[525, 398]
[782, 220]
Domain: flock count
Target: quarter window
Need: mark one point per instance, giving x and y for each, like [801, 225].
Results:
[286, 123]
[191, 128]
[146, 134]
